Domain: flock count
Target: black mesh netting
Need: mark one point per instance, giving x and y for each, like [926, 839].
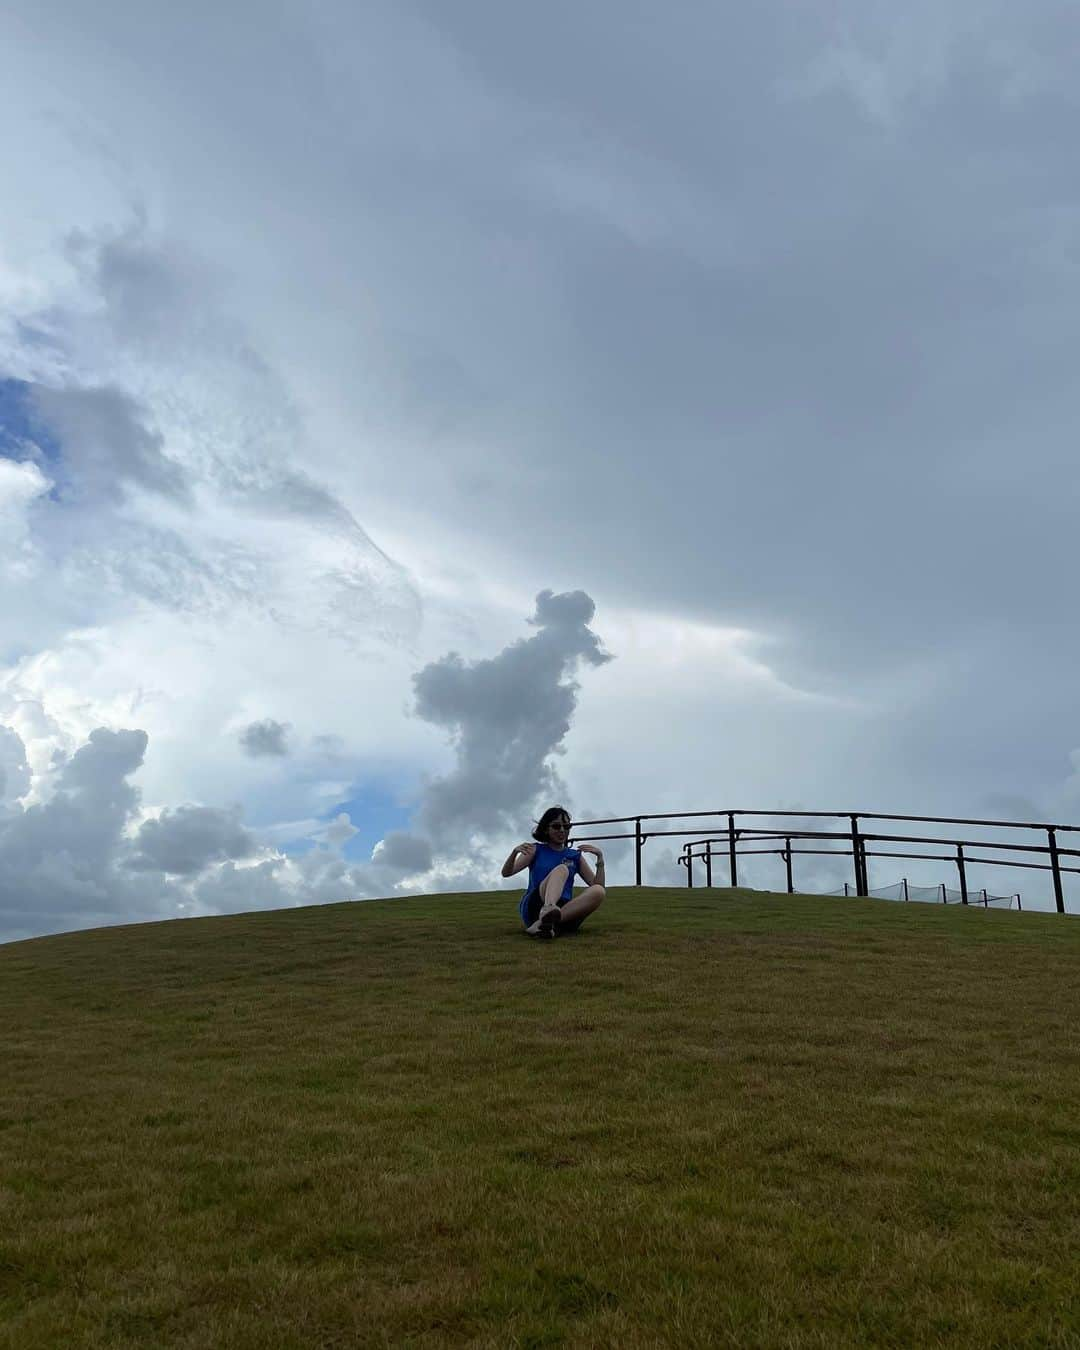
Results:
[941, 895]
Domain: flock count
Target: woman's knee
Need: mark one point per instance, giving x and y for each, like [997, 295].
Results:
[593, 897]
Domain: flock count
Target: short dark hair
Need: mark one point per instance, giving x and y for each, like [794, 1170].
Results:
[540, 834]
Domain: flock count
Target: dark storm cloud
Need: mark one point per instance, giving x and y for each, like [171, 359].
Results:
[785, 294]
[506, 716]
[786, 310]
[265, 738]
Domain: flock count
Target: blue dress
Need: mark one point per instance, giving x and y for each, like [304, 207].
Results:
[544, 859]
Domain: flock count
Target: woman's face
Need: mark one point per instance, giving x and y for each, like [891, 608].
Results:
[558, 831]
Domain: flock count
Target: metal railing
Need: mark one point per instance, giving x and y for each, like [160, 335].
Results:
[853, 841]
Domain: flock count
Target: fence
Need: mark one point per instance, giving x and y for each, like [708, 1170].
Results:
[939, 894]
[735, 838]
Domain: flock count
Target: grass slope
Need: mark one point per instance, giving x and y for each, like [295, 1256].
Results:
[709, 1119]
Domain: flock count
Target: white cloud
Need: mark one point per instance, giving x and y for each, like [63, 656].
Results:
[86, 853]
[194, 623]
[340, 830]
[14, 769]
[21, 483]
[87, 846]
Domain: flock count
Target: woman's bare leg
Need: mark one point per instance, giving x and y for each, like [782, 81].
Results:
[583, 904]
[550, 889]
[553, 885]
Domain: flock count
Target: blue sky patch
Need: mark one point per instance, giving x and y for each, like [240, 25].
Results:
[19, 423]
[374, 811]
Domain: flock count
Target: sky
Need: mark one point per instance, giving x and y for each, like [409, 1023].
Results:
[414, 414]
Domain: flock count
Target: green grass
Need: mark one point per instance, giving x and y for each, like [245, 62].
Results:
[709, 1119]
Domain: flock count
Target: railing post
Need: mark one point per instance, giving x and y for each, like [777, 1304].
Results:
[904, 881]
[690, 866]
[787, 859]
[1018, 905]
[638, 841]
[845, 888]
[857, 858]
[963, 874]
[708, 863]
[943, 899]
[986, 902]
[732, 864]
[1055, 865]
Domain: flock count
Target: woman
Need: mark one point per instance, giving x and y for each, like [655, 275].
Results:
[550, 906]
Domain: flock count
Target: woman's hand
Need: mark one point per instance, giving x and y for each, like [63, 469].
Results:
[591, 848]
[514, 864]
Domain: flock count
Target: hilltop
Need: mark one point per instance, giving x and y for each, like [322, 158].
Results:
[710, 1118]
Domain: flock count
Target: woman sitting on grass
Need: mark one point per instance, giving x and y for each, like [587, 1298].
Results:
[550, 906]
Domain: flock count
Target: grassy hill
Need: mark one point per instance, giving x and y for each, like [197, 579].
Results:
[709, 1119]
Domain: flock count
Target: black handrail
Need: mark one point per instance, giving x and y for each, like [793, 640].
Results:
[843, 815]
[855, 838]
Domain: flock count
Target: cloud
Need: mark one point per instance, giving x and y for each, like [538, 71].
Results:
[21, 484]
[506, 715]
[66, 860]
[14, 769]
[661, 868]
[265, 738]
[86, 850]
[187, 840]
[106, 445]
[84, 855]
[146, 400]
[340, 830]
[403, 852]
[57, 858]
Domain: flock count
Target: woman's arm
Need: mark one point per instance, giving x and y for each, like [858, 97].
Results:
[591, 877]
[515, 863]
